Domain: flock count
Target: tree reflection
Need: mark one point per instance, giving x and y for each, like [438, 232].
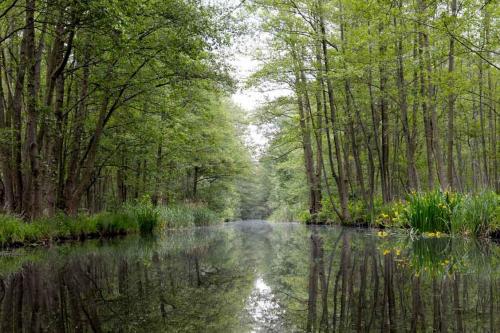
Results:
[439, 285]
[184, 289]
[255, 278]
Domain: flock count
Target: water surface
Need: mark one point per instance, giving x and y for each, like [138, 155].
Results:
[254, 277]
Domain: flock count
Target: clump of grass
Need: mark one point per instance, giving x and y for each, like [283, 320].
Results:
[140, 217]
[431, 211]
[109, 224]
[182, 216]
[177, 217]
[476, 214]
[147, 218]
[204, 216]
[12, 230]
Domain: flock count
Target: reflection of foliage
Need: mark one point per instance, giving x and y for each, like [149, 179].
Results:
[431, 254]
[201, 279]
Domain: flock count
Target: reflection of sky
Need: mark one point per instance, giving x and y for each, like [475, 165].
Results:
[263, 308]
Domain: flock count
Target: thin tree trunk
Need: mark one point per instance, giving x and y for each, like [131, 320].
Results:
[451, 99]
[342, 181]
[411, 168]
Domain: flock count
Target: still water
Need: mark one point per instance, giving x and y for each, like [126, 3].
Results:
[254, 277]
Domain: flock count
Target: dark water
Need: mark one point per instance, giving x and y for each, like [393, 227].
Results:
[254, 277]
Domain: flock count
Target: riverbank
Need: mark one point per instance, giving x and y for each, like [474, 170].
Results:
[130, 219]
[429, 213]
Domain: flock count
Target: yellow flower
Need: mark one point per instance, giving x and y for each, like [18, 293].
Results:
[386, 252]
[398, 252]
[382, 234]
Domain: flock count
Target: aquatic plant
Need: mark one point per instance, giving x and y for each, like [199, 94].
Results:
[176, 216]
[140, 217]
[431, 211]
[476, 214]
[181, 216]
[465, 214]
[108, 224]
[204, 216]
[145, 215]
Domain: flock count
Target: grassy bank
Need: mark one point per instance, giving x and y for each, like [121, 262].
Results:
[137, 218]
[435, 212]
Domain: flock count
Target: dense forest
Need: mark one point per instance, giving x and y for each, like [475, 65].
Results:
[106, 102]
[386, 98]
[131, 131]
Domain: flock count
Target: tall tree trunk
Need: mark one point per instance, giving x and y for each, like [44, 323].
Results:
[411, 168]
[433, 127]
[384, 117]
[484, 150]
[16, 108]
[5, 151]
[316, 180]
[451, 100]
[33, 202]
[342, 184]
[350, 116]
[306, 139]
[423, 96]
[77, 132]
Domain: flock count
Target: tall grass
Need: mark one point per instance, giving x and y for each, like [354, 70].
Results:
[477, 214]
[431, 211]
[182, 216]
[145, 215]
[467, 214]
[139, 217]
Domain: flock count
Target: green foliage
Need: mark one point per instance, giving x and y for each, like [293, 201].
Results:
[146, 215]
[466, 214]
[430, 254]
[14, 230]
[389, 214]
[176, 217]
[477, 214]
[431, 211]
[183, 216]
[108, 224]
[204, 216]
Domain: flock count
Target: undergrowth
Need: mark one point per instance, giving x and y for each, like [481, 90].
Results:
[141, 218]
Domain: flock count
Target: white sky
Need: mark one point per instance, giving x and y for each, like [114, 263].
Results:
[243, 59]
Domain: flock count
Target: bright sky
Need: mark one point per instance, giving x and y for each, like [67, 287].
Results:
[248, 98]
[244, 62]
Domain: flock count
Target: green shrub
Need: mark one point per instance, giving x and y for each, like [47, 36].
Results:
[204, 216]
[182, 216]
[177, 216]
[115, 223]
[476, 214]
[431, 211]
[12, 229]
[147, 218]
